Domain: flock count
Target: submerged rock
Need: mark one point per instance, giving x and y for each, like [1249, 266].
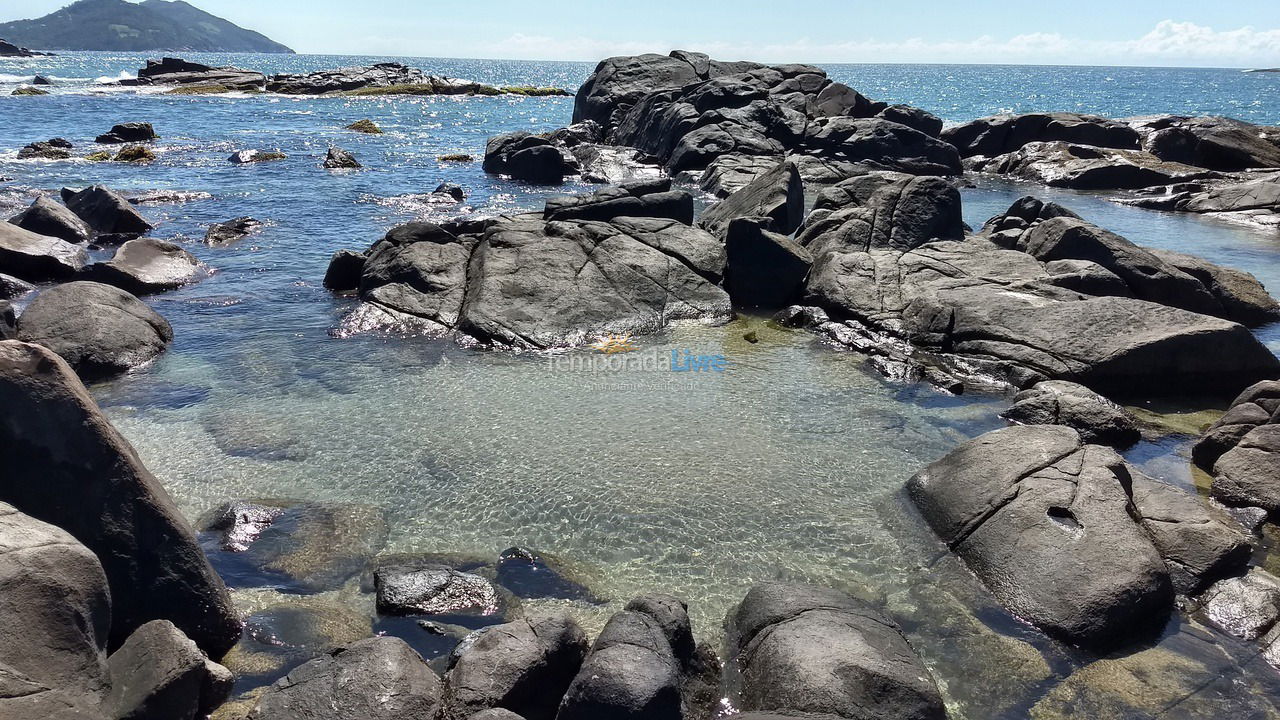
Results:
[132, 132]
[146, 266]
[232, 231]
[529, 574]
[46, 217]
[1057, 402]
[55, 444]
[38, 258]
[158, 674]
[337, 159]
[434, 591]
[99, 330]
[283, 633]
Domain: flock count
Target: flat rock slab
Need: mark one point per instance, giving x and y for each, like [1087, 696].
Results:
[38, 258]
[145, 266]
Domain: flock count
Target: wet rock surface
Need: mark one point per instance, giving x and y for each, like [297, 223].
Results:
[130, 132]
[36, 258]
[105, 211]
[1056, 402]
[46, 217]
[230, 232]
[1242, 450]
[145, 266]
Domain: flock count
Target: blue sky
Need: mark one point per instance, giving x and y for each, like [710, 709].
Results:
[1230, 33]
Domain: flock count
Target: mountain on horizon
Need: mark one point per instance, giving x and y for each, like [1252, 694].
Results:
[136, 27]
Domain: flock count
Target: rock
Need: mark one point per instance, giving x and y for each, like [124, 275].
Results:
[232, 231]
[176, 71]
[1043, 521]
[377, 76]
[1253, 407]
[55, 615]
[495, 714]
[29, 91]
[380, 678]
[1249, 473]
[1058, 402]
[41, 80]
[159, 674]
[1085, 167]
[46, 217]
[105, 211]
[619, 82]
[345, 269]
[297, 547]
[528, 574]
[365, 126]
[8, 49]
[776, 195]
[146, 266]
[434, 591]
[801, 316]
[1002, 134]
[881, 144]
[914, 118]
[672, 618]
[635, 199]
[55, 444]
[244, 157]
[135, 153]
[1246, 607]
[763, 269]
[8, 321]
[11, 287]
[523, 666]
[1199, 541]
[38, 258]
[451, 190]
[337, 158]
[802, 649]
[1241, 295]
[631, 673]
[100, 330]
[52, 149]
[456, 158]
[882, 210]
[528, 157]
[128, 133]
[1217, 143]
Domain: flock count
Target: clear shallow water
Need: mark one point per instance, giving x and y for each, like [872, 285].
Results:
[789, 466]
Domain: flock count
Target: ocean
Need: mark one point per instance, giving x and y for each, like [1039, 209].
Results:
[789, 466]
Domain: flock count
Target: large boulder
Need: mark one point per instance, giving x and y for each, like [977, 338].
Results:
[528, 157]
[619, 82]
[379, 678]
[1257, 405]
[807, 650]
[914, 118]
[1002, 134]
[46, 217]
[51, 149]
[130, 132]
[55, 613]
[1085, 167]
[1199, 541]
[1217, 143]
[105, 211]
[99, 329]
[1249, 473]
[882, 210]
[56, 445]
[37, 258]
[881, 144]
[523, 666]
[1241, 296]
[146, 266]
[763, 269]
[159, 674]
[1058, 402]
[1044, 521]
[776, 195]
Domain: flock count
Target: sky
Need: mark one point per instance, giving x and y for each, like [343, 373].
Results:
[1226, 33]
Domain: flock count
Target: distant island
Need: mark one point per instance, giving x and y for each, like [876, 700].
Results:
[136, 27]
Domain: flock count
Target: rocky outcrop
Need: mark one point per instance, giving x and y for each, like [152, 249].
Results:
[381, 76]
[1043, 520]
[1058, 402]
[51, 149]
[146, 266]
[244, 157]
[55, 617]
[105, 211]
[1240, 295]
[804, 650]
[532, 158]
[1217, 143]
[131, 132]
[523, 666]
[763, 269]
[1199, 541]
[776, 195]
[38, 258]
[176, 71]
[46, 217]
[882, 211]
[1242, 450]
[56, 444]
[914, 118]
[380, 678]
[1253, 201]
[8, 49]
[100, 330]
[159, 674]
[640, 198]
[339, 159]
[1085, 167]
[1000, 134]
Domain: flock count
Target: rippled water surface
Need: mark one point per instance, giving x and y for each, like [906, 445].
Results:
[789, 465]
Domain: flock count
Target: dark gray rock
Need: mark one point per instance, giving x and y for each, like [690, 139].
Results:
[523, 666]
[1249, 473]
[530, 574]
[244, 157]
[1217, 143]
[100, 330]
[8, 321]
[128, 133]
[11, 287]
[1043, 521]
[1058, 402]
[882, 210]
[36, 257]
[51, 149]
[146, 266]
[159, 674]
[631, 674]
[452, 190]
[1002, 134]
[1084, 276]
[1256, 405]
[176, 71]
[495, 714]
[232, 231]
[776, 195]
[1247, 606]
[380, 678]
[1241, 295]
[881, 144]
[914, 118]
[339, 159]
[435, 590]
[372, 78]
[806, 650]
[46, 217]
[55, 444]
[637, 199]
[672, 617]
[344, 271]
[105, 211]
[764, 269]
[1085, 167]
[55, 616]
[528, 157]
[1199, 541]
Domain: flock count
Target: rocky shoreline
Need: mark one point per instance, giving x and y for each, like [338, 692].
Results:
[836, 215]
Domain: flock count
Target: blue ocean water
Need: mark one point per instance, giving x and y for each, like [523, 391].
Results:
[788, 467]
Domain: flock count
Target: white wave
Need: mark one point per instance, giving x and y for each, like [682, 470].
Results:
[6, 78]
[124, 75]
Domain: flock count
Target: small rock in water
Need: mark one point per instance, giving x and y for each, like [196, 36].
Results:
[528, 574]
[434, 591]
[366, 126]
[135, 153]
[338, 159]
[241, 522]
[12, 287]
[128, 132]
[41, 80]
[752, 337]
[1246, 607]
[51, 149]
[451, 190]
[456, 157]
[29, 91]
[226, 233]
[251, 156]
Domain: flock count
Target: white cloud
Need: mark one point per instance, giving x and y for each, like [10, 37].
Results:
[1168, 43]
